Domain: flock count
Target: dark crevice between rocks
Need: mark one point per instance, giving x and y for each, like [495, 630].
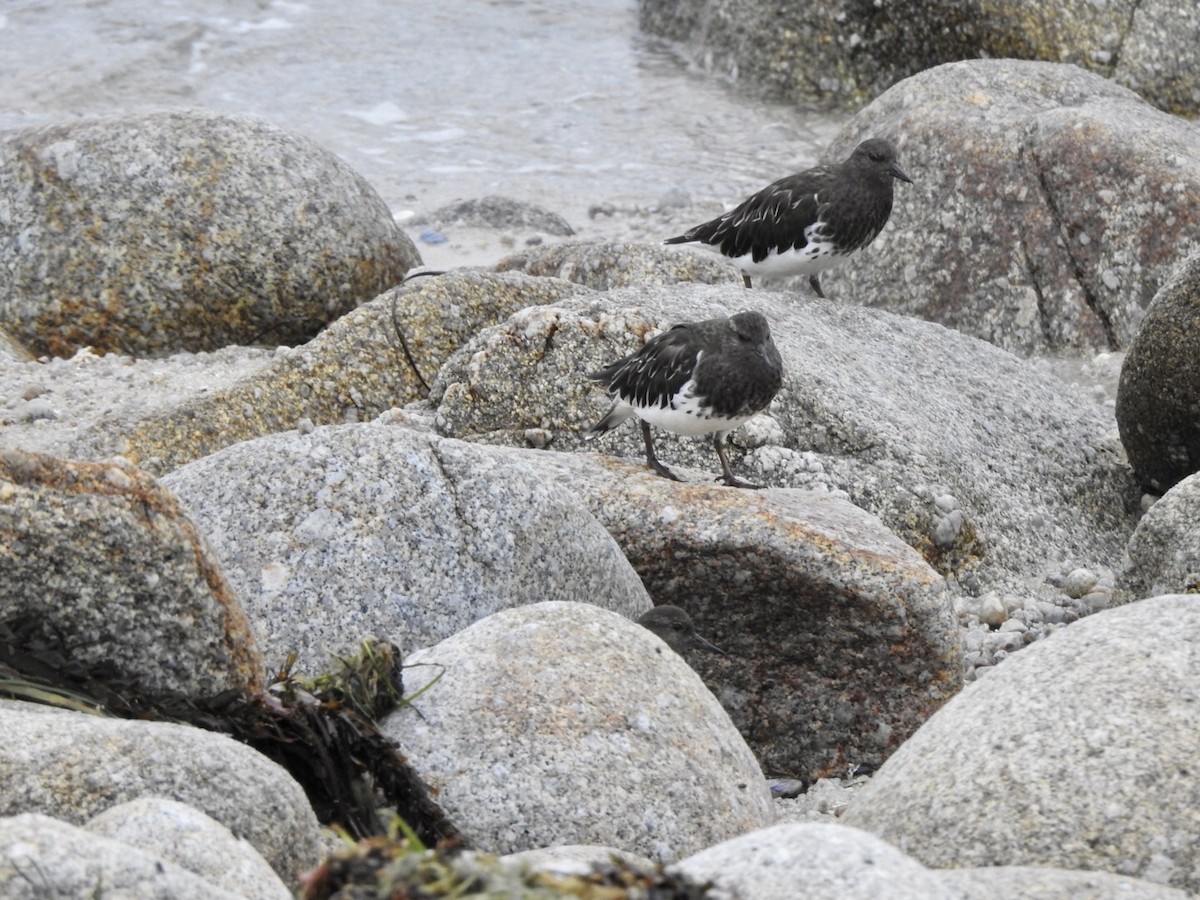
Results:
[1043, 311]
[460, 510]
[1118, 51]
[322, 731]
[1077, 268]
[398, 331]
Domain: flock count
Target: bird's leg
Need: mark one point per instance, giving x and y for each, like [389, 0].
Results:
[726, 472]
[651, 459]
[816, 286]
[746, 279]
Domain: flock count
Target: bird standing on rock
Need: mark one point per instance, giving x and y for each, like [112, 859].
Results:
[809, 222]
[698, 378]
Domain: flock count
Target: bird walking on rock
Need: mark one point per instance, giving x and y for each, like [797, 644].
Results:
[809, 222]
[697, 378]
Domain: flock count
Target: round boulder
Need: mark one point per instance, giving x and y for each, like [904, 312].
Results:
[1158, 397]
[184, 231]
[564, 723]
[1077, 753]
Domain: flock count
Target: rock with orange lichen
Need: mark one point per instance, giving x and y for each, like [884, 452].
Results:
[105, 577]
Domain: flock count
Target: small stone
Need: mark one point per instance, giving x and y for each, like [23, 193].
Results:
[38, 409]
[991, 610]
[946, 503]
[1078, 582]
[946, 529]
[538, 438]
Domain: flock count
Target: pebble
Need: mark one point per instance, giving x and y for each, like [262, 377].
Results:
[1079, 582]
[430, 236]
[991, 610]
[946, 529]
[37, 410]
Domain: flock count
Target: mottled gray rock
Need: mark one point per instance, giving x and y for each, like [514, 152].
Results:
[838, 50]
[381, 355]
[902, 415]
[1096, 772]
[1041, 883]
[839, 639]
[188, 838]
[496, 212]
[359, 530]
[1158, 397]
[564, 723]
[184, 231]
[1164, 551]
[609, 265]
[1158, 55]
[815, 861]
[1048, 206]
[41, 857]
[73, 766]
[103, 568]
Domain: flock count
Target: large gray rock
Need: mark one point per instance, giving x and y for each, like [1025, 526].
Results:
[1048, 204]
[839, 639]
[381, 355]
[1158, 397]
[41, 857]
[184, 230]
[1164, 551]
[73, 766]
[987, 466]
[815, 861]
[359, 530]
[105, 573]
[188, 838]
[1095, 771]
[838, 51]
[563, 723]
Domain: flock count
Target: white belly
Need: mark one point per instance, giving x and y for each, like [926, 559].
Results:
[811, 259]
[684, 416]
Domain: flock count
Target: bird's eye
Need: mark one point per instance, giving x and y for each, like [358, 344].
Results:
[877, 157]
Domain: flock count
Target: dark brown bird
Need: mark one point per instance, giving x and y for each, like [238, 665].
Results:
[675, 627]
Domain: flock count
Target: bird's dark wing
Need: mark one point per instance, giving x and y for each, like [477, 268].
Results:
[773, 219]
[654, 374]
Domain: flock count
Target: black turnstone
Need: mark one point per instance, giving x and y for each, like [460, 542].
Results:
[676, 628]
[699, 378]
[808, 222]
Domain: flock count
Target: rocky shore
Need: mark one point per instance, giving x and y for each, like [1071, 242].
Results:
[967, 575]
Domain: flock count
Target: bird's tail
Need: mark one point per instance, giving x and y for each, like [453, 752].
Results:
[619, 413]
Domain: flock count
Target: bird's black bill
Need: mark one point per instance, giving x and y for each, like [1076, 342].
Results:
[706, 644]
[896, 172]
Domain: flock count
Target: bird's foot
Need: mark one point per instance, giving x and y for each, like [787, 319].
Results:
[734, 481]
[662, 470]
[816, 286]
